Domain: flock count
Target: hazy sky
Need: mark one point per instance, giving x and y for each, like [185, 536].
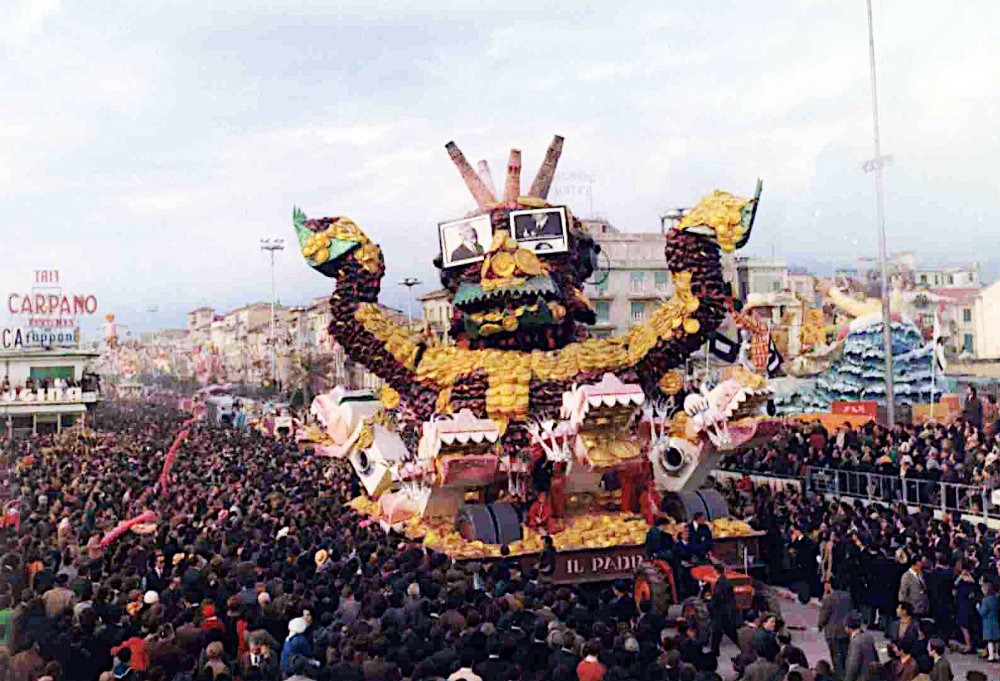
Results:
[146, 147]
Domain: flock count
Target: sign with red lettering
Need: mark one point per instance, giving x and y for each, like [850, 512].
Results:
[44, 315]
[867, 408]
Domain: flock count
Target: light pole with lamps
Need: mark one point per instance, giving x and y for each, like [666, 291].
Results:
[409, 283]
[270, 246]
[877, 165]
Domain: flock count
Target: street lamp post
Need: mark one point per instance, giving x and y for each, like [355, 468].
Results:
[671, 217]
[269, 246]
[877, 165]
[409, 283]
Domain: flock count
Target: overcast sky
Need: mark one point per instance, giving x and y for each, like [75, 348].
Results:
[146, 147]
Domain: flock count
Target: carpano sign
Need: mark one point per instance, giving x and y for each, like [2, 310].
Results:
[51, 304]
[46, 306]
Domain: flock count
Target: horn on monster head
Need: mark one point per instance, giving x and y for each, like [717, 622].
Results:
[480, 192]
[543, 180]
[512, 187]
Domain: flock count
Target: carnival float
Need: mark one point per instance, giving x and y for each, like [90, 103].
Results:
[523, 425]
[847, 363]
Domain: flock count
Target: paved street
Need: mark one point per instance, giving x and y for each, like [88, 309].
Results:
[802, 622]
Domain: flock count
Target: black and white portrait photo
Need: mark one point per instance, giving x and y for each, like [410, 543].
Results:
[541, 230]
[465, 241]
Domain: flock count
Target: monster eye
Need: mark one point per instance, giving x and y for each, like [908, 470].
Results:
[673, 459]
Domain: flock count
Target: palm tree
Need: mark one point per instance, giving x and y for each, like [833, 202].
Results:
[313, 372]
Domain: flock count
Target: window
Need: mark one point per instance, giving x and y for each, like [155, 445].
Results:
[966, 315]
[923, 278]
[951, 280]
[966, 342]
[661, 280]
[638, 312]
[41, 373]
[602, 286]
[602, 309]
[776, 286]
[637, 282]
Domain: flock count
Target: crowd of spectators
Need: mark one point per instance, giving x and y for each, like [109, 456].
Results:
[257, 570]
[894, 565]
[966, 451]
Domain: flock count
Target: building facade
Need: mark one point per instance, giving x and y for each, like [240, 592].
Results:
[244, 349]
[44, 391]
[760, 276]
[438, 311]
[631, 280]
[986, 322]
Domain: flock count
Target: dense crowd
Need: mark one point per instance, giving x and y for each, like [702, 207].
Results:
[867, 550]
[966, 451]
[257, 570]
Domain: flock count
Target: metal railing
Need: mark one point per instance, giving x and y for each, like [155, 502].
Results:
[947, 497]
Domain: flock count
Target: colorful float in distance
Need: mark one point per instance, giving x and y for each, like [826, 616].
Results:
[851, 367]
[523, 412]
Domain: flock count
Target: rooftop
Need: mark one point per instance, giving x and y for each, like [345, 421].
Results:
[958, 294]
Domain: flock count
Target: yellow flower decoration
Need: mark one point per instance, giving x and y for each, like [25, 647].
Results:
[390, 397]
[723, 213]
[671, 382]
[368, 256]
[366, 438]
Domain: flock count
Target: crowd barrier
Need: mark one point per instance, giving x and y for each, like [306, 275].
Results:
[777, 483]
[947, 497]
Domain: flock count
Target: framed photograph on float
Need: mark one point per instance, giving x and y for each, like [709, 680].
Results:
[542, 230]
[465, 241]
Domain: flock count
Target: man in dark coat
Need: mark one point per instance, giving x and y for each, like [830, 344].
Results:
[803, 554]
[726, 618]
[699, 538]
[940, 582]
[833, 612]
[623, 605]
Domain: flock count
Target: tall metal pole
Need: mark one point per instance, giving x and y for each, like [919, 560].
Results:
[409, 283]
[274, 348]
[877, 165]
[270, 246]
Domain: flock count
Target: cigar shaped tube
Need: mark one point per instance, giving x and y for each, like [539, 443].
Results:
[486, 176]
[479, 191]
[512, 187]
[543, 180]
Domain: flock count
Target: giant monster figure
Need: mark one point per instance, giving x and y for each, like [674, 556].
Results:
[520, 315]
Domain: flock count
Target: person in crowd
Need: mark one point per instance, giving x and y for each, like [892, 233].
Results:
[989, 611]
[913, 589]
[699, 537]
[861, 652]
[803, 553]
[726, 617]
[941, 670]
[972, 410]
[965, 599]
[833, 613]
